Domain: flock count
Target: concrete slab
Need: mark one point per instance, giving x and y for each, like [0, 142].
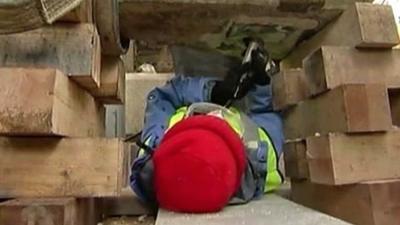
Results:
[272, 209]
[142, 220]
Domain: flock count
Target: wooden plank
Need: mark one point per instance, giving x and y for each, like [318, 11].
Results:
[112, 81]
[330, 67]
[115, 121]
[138, 86]
[348, 108]
[52, 167]
[72, 48]
[296, 165]
[51, 211]
[374, 203]
[89, 211]
[271, 208]
[363, 25]
[46, 102]
[81, 14]
[288, 88]
[23, 15]
[39, 211]
[394, 99]
[130, 57]
[337, 159]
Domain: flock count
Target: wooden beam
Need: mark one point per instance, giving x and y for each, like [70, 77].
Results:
[89, 211]
[374, 203]
[23, 15]
[337, 159]
[39, 211]
[330, 67]
[296, 165]
[130, 57]
[112, 81]
[349, 108]
[394, 99]
[362, 25]
[72, 48]
[52, 211]
[46, 102]
[81, 14]
[53, 167]
[289, 88]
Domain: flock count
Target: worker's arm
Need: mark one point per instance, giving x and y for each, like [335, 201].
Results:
[261, 112]
[163, 102]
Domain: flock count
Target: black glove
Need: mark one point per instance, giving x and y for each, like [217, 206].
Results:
[246, 76]
[224, 90]
[258, 64]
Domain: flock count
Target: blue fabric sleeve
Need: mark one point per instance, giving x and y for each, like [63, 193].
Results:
[164, 101]
[261, 112]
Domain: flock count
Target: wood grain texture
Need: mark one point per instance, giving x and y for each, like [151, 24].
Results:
[112, 81]
[394, 99]
[49, 211]
[45, 102]
[288, 88]
[53, 167]
[39, 211]
[330, 67]
[18, 15]
[337, 159]
[373, 203]
[348, 108]
[296, 165]
[363, 25]
[130, 57]
[72, 48]
[81, 14]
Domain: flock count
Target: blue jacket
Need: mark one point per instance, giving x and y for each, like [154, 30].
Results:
[183, 91]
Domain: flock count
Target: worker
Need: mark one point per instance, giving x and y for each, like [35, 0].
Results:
[209, 142]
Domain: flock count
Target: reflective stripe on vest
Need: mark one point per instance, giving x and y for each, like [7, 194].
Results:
[178, 116]
[141, 151]
[273, 178]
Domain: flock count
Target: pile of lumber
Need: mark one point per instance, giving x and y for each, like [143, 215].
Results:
[339, 93]
[55, 161]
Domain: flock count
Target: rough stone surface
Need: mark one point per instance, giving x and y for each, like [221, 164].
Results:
[221, 24]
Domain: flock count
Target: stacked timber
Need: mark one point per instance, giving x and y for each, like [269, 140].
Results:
[339, 95]
[55, 160]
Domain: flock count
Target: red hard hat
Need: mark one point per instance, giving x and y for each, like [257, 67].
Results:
[199, 165]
